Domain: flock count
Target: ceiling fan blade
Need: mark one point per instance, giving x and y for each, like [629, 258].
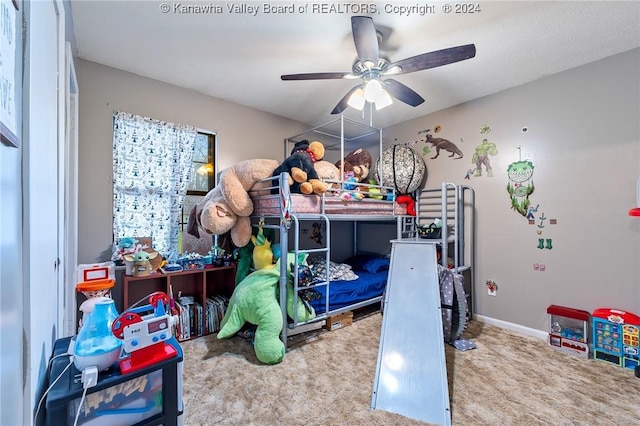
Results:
[317, 76]
[344, 102]
[433, 59]
[365, 39]
[402, 92]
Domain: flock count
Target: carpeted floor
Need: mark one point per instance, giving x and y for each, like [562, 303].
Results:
[327, 379]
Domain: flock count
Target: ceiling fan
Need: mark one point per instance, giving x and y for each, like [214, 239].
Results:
[371, 68]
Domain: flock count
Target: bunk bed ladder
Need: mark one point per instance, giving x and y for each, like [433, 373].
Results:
[406, 227]
[284, 247]
[411, 373]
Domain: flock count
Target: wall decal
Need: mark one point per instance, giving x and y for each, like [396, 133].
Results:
[492, 287]
[483, 151]
[520, 185]
[441, 143]
[469, 173]
[316, 232]
[432, 143]
[531, 211]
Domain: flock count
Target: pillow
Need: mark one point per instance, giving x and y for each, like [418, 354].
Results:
[337, 271]
[369, 263]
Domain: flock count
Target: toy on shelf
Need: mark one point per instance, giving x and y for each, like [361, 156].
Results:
[569, 330]
[615, 337]
[145, 336]
[141, 260]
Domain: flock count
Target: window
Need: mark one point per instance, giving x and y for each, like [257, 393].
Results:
[202, 174]
[152, 167]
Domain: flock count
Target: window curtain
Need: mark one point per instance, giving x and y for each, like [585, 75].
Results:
[151, 170]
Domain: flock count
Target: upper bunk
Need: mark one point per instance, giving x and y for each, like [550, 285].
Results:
[345, 199]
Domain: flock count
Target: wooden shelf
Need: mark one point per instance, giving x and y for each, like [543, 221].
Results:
[199, 283]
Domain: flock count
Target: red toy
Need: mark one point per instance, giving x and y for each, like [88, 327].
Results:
[568, 330]
[145, 336]
[409, 201]
[615, 337]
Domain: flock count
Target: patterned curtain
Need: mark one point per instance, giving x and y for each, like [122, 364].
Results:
[151, 170]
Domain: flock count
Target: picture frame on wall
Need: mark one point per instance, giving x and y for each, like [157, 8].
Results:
[10, 73]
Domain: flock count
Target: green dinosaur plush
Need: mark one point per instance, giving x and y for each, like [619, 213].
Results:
[255, 300]
[245, 254]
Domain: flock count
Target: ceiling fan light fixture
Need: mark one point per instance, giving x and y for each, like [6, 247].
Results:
[383, 100]
[356, 100]
[372, 90]
[371, 67]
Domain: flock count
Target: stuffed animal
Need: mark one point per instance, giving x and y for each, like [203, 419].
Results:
[255, 300]
[227, 206]
[358, 161]
[409, 201]
[374, 192]
[262, 253]
[141, 262]
[327, 170]
[351, 190]
[303, 178]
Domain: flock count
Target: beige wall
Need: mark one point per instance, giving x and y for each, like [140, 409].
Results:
[584, 136]
[243, 133]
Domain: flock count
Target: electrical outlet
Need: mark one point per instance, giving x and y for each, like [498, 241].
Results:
[89, 377]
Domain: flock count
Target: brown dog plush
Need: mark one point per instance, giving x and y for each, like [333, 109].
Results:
[227, 207]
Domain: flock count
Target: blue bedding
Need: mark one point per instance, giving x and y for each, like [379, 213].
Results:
[345, 293]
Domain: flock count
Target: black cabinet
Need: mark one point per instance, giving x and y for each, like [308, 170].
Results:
[147, 397]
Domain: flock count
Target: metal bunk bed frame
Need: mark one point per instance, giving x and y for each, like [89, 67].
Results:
[287, 223]
[455, 206]
[341, 131]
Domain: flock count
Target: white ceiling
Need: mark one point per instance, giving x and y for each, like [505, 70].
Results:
[239, 57]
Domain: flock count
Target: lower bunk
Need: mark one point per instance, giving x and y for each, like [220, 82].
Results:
[361, 281]
[356, 282]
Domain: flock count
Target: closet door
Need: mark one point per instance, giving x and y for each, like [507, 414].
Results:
[43, 126]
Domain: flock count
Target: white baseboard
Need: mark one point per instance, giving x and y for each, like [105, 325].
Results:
[513, 327]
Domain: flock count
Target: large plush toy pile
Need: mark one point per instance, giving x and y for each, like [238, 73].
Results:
[226, 209]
